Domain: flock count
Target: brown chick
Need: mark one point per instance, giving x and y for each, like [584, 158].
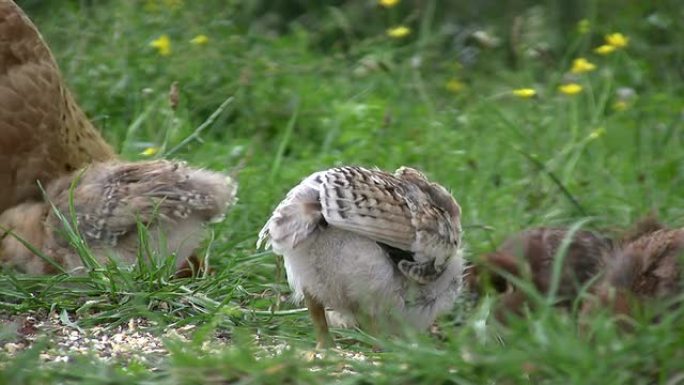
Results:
[531, 254]
[109, 200]
[643, 270]
[43, 132]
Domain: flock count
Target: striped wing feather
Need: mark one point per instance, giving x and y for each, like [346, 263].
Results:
[398, 211]
[368, 203]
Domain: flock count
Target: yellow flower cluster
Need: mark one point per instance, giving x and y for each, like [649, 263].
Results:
[581, 65]
[612, 42]
[163, 43]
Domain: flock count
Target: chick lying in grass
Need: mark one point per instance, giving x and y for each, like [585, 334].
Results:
[645, 270]
[102, 206]
[638, 268]
[381, 250]
[531, 255]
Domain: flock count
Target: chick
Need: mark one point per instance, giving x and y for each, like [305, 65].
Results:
[170, 199]
[532, 254]
[379, 249]
[44, 134]
[644, 270]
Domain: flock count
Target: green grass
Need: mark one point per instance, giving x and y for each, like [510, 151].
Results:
[329, 88]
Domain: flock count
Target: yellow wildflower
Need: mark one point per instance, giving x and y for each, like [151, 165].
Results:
[162, 44]
[570, 88]
[604, 49]
[617, 40]
[388, 3]
[525, 93]
[455, 86]
[150, 151]
[200, 40]
[583, 26]
[582, 65]
[399, 32]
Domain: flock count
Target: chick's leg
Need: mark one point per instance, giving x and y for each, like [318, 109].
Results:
[317, 312]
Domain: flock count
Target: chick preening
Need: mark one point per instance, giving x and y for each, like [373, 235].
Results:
[378, 249]
[643, 271]
[532, 254]
[109, 201]
[44, 134]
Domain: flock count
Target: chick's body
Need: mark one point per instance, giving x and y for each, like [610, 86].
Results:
[355, 277]
[378, 249]
[109, 201]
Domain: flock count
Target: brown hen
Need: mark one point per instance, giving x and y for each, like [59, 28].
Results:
[43, 132]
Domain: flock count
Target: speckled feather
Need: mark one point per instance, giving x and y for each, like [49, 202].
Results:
[110, 200]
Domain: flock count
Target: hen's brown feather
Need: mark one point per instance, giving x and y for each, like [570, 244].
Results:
[43, 132]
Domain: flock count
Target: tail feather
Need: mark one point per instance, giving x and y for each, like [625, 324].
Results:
[295, 218]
